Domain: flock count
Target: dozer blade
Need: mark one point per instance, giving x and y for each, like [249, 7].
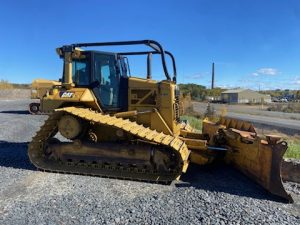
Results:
[259, 159]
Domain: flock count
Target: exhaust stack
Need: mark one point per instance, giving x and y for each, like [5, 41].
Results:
[213, 76]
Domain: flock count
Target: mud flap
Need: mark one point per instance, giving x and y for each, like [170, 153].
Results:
[257, 158]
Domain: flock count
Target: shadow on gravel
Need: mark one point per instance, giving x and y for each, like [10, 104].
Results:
[22, 112]
[223, 178]
[14, 154]
[214, 178]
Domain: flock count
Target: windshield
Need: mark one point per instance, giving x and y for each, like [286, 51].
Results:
[80, 72]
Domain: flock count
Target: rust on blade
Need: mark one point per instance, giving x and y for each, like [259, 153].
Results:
[276, 186]
[258, 158]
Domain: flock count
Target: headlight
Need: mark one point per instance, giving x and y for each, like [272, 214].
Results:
[33, 91]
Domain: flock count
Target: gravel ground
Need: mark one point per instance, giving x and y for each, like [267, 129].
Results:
[15, 93]
[218, 195]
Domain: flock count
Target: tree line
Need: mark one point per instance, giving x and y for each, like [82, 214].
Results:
[199, 92]
[278, 93]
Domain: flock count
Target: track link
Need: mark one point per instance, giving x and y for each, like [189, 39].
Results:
[49, 129]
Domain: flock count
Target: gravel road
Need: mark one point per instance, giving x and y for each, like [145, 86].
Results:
[210, 195]
[255, 110]
[272, 120]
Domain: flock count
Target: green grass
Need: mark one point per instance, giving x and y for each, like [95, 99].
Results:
[193, 121]
[293, 149]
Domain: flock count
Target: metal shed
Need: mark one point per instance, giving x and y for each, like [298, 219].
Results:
[244, 96]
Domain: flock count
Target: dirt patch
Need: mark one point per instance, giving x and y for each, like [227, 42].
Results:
[273, 129]
[291, 107]
[290, 170]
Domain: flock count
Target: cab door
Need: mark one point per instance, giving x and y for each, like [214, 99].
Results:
[108, 78]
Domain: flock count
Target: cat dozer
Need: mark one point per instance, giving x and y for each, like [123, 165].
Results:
[120, 126]
[39, 88]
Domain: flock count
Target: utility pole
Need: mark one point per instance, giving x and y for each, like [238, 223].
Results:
[213, 76]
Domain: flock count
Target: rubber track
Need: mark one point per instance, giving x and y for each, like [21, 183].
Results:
[49, 129]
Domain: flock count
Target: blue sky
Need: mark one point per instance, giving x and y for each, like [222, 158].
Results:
[254, 43]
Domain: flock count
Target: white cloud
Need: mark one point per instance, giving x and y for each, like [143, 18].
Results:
[197, 76]
[296, 81]
[266, 71]
[227, 86]
[255, 74]
[269, 82]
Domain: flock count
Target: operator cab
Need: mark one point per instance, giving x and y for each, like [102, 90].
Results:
[105, 73]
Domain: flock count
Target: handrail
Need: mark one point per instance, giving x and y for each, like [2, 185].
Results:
[158, 49]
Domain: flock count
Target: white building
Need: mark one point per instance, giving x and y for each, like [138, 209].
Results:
[244, 96]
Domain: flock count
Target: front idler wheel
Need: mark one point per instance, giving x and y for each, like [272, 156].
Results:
[71, 127]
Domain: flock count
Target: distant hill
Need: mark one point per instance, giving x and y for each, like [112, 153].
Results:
[198, 92]
[6, 85]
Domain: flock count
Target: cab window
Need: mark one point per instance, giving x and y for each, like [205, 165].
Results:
[80, 72]
[108, 78]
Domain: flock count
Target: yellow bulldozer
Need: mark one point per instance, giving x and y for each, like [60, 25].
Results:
[120, 126]
[39, 88]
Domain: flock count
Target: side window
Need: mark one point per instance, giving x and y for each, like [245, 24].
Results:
[123, 67]
[80, 72]
[105, 75]
[109, 79]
